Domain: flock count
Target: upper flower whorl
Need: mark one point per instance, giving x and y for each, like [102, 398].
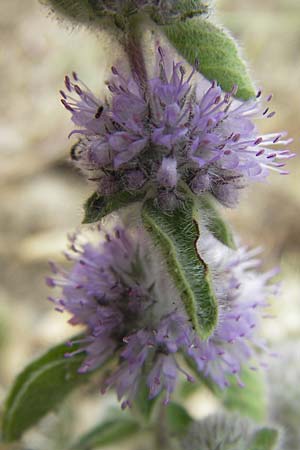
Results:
[172, 134]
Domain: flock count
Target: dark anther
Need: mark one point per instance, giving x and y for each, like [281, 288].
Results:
[63, 94]
[74, 151]
[99, 112]
[78, 89]
[182, 70]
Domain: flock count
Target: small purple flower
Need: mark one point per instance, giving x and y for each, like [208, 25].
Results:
[204, 138]
[112, 289]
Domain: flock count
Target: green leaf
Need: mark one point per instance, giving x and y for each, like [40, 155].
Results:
[214, 221]
[205, 381]
[264, 439]
[187, 9]
[179, 10]
[82, 11]
[249, 400]
[41, 386]
[97, 206]
[188, 389]
[107, 433]
[178, 419]
[142, 404]
[217, 53]
[176, 236]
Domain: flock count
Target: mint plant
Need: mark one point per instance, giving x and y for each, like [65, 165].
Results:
[155, 277]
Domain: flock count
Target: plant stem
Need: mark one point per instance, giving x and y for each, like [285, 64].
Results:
[134, 48]
[161, 437]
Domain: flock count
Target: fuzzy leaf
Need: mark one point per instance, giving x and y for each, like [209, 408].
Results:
[217, 53]
[214, 221]
[41, 386]
[187, 9]
[108, 433]
[249, 400]
[179, 10]
[97, 207]
[87, 11]
[176, 236]
[82, 11]
[264, 439]
[178, 419]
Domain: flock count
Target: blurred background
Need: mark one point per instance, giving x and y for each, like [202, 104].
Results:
[42, 194]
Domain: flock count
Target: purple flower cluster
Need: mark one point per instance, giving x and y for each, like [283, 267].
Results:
[171, 134]
[111, 289]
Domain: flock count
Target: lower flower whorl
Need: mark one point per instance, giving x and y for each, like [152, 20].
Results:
[112, 289]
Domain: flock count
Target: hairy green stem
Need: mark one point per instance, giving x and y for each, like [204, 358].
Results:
[134, 48]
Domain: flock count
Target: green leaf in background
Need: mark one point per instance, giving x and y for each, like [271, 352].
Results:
[97, 206]
[41, 386]
[142, 404]
[199, 376]
[264, 439]
[108, 433]
[218, 55]
[249, 400]
[177, 418]
[176, 236]
[214, 221]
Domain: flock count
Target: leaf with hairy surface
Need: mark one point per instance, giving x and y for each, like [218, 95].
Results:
[39, 388]
[218, 55]
[176, 236]
[97, 206]
[108, 433]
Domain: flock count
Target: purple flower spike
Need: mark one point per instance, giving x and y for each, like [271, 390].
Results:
[114, 290]
[211, 137]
